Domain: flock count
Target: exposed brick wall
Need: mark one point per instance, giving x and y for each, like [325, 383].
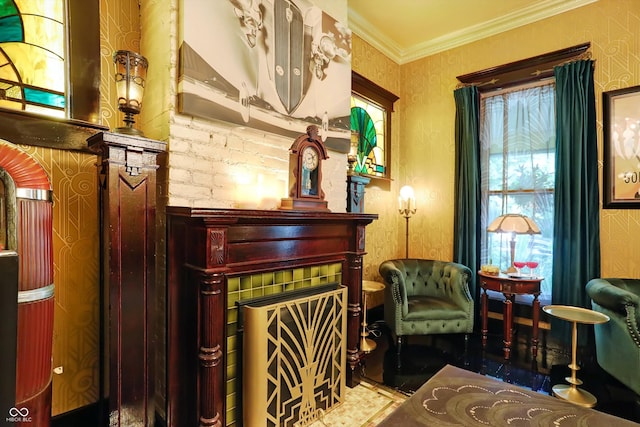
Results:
[218, 165]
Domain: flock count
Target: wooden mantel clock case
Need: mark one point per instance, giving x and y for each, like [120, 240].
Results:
[305, 173]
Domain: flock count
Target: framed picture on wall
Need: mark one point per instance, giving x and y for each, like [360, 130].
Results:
[621, 126]
[273, 65]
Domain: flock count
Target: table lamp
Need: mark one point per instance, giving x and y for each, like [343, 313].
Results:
[513, 224]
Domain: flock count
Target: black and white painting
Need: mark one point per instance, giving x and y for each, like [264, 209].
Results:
[274, 65]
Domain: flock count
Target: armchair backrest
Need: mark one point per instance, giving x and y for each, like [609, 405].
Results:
[426, 277]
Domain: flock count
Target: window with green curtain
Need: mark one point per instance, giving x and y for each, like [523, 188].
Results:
[32, 56]
[517, 162]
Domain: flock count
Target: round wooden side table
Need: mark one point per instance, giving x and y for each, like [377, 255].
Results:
[575, 315]
[367, 345]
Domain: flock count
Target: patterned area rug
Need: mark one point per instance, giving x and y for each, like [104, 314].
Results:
[364, 406]
[455, 397]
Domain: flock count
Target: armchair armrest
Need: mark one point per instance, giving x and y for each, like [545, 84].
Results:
[394, 279]
[614, 295]
[607, 293]
[460, 276]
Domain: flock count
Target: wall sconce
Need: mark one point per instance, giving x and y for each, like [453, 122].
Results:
[131, 75]
[513, 224]
[407, 207]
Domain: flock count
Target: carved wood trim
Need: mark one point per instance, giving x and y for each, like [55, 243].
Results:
[523, 71]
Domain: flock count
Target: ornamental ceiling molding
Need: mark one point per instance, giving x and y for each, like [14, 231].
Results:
[540, 10]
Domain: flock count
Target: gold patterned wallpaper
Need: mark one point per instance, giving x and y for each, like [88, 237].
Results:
[76, 234]
[423, 146]
[76, 256]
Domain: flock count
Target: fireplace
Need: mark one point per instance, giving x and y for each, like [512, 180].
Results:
[218, 256]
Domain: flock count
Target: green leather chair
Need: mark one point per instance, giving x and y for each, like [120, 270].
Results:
[618, 340]
[424, 297]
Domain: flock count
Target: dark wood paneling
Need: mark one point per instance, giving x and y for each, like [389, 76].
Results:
[127, 170]
[8, 327]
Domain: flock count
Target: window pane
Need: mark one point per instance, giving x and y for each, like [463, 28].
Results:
[518, 168]
[32, 63]
[368, 121]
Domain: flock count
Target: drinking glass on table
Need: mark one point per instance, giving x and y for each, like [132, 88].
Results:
[532, 265]
[518, 265]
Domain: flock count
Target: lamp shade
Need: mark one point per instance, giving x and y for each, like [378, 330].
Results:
[131, 76]
[513, 223]
[406, 193]
[131, 73]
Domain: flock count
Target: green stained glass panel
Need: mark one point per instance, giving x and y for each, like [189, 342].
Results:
[11, 29]
[368, 122]
[44, 98]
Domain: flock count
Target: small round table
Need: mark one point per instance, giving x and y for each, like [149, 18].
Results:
[367, 345]
[575, 315]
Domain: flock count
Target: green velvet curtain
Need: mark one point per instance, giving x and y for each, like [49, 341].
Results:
[466, 222]
[576, 247]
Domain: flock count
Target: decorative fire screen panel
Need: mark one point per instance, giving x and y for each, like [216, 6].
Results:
[294, 356]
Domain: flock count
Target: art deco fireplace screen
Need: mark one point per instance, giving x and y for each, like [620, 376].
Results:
[294, 356]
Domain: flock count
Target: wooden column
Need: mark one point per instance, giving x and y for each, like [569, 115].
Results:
[127, 171]
[355, 193]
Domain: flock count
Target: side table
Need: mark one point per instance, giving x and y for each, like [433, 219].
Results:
[575, 315]
[509, 287]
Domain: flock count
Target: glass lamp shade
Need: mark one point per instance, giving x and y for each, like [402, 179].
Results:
[131, 75]
[514, 223]
[407, 201]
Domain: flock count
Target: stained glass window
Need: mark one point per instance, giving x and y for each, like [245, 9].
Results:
[32, 56]
[368, 124]
[371, 108]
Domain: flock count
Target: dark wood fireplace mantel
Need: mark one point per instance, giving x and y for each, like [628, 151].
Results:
[205, 247]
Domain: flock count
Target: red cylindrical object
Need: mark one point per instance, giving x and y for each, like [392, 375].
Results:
[33, 367]
[35, 311]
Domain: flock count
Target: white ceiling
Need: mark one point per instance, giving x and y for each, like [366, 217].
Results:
[406, 30]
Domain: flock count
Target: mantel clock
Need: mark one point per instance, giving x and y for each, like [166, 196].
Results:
[306, 155]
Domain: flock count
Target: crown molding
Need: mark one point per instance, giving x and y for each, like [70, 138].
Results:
[540, 10]
[384, 44]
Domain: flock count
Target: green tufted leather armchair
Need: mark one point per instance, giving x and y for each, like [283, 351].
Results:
[618, 340]
[424, 297]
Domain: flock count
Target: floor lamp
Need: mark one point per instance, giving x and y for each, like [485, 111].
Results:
[406, 207]
[513, 224]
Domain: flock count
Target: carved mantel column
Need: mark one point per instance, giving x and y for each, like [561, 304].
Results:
[355, 192]
[127, 171]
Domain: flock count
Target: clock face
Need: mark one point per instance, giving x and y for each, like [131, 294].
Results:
[310, 158]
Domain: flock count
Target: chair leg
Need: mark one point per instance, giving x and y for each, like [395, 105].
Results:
[466, 350]
[398, 351]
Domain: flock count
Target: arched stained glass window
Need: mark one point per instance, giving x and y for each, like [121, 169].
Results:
[32, 56]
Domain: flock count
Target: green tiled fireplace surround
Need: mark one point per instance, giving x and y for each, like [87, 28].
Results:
[257, 285]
